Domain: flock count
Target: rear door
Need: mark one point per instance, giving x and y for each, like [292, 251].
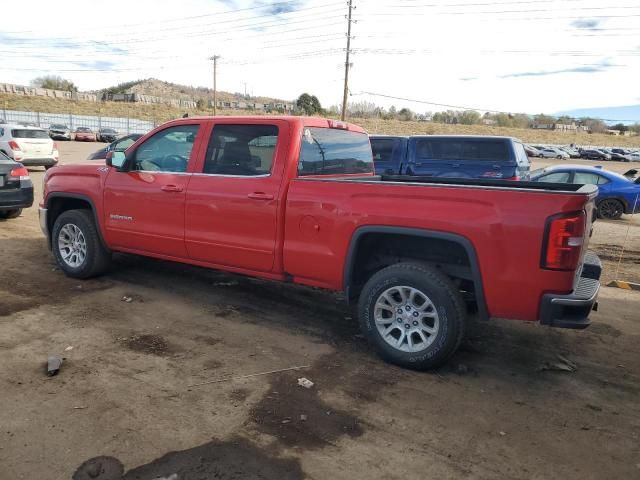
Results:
[233, 201]
[144, 206]
[33, 143]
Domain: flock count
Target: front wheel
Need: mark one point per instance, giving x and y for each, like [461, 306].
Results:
[610, 209]
[412, 315]
[76, 245]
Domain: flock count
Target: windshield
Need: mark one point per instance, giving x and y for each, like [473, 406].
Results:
[29, 133]
[58, 127]
[83, 129]
[108, 130]
[329, 151]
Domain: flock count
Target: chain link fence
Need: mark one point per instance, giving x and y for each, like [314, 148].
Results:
[122, 125]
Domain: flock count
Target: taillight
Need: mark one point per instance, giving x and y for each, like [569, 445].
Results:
[13, 145]
[20, 173]
[516, 178]
[563, 242]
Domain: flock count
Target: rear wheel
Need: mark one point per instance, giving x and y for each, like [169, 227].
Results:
[15, 213]
[76, 245]
[412, 315]
[610, 209]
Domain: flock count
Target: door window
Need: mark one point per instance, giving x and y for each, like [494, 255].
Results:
[558, 177]
[244, 150]
[330, 151]
[167, 151]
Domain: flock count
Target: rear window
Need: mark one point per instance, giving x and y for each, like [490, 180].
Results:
[521, 155]
[58, 127]
[28, 133]
[328, 151]
[460, 149]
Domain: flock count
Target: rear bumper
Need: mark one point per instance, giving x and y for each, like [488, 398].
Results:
[39, 162]
[16, 198]
[572, 310]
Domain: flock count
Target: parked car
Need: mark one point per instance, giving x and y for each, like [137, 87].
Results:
[459, 156]
[106, 135]
[84, 134]
[594, 154]
[634, 156]
[552, 152]
[119, 145]
[621, 151]
[532, 151]
[617, 194]
[58, 131]
[296, 200]
[16, 189]
[618, 157]
[572, 152]
[28, 145]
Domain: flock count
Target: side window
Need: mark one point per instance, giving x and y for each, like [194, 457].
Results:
[559, 177]
[439, 149]
[382, 149]
[485, 150]
[583, 178]
[245, 150]
[167, 151]
[1, 132]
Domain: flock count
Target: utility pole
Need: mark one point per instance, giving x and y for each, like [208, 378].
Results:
[215, 89]
[346, 64]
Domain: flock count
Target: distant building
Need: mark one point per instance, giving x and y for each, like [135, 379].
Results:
[561, 127]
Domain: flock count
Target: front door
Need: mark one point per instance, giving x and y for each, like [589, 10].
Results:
[232, 204]
[144, 206]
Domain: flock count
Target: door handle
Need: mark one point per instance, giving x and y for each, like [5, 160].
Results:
[260, 196]
[171, 188]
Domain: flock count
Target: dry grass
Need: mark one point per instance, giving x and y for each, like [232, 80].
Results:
[162, 113]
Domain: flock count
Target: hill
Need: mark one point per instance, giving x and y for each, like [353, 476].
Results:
[162, 113]
[160, 88]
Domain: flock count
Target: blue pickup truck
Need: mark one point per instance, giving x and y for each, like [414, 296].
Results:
[454, 156]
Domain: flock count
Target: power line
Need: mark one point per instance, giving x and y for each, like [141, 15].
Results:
[459, 107]
[191, 17]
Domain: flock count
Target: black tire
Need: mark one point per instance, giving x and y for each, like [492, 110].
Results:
[442, 294]
[9, 214]
[559, 157]
[610, 209]
[97, 259]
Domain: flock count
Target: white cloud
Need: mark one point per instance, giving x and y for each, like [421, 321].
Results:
[494, 54]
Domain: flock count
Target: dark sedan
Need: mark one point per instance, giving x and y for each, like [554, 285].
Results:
[16, 189]
[119, 145]
[593, 154]
[106, 135]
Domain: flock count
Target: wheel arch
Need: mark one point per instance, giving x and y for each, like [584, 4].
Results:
[462, 242]
[60, 202]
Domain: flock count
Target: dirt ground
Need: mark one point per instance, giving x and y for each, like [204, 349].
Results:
[125, 404]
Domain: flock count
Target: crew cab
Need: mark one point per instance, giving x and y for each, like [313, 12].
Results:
[451, 156]
[295, 199]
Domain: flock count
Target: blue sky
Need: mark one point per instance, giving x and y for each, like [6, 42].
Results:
[513, 55]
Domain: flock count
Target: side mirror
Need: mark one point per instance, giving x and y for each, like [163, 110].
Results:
[116, 159]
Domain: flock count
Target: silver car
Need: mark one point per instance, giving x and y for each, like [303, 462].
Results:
[59, 132]
[551, 152]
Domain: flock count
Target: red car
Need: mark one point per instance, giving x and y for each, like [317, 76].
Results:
[295, 199]
[84, 134]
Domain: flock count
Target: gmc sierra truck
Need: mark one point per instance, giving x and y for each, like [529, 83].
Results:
[295, 199]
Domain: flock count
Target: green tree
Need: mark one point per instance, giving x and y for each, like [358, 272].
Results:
[543, 119]
[406, 115]
[469, 117]
[309, 104]
[621, 127]
[54, 82]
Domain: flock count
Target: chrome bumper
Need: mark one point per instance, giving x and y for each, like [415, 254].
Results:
[42, 215]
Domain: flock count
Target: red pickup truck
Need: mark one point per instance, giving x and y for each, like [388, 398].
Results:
[296, 199]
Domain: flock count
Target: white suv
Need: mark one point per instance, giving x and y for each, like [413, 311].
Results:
[30, 146]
